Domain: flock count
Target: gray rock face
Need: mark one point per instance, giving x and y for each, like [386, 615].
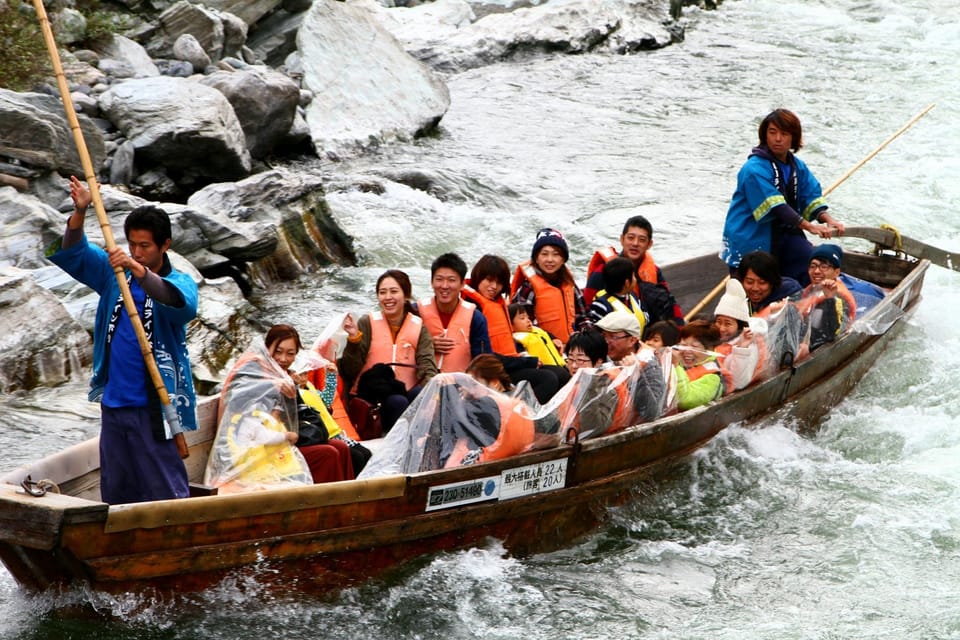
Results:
[276, 37]
[123, 58]
[34, 130]
[197, 20]
[250, 11]
[277, 221]
[180, 124]
[26, 227]
[226, 322]
[37, 353]
[187, 48]
[444, 34]
[367, 90]
[265, 102]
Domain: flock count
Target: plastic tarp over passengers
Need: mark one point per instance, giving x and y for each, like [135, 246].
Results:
[456, 420]
[257, 406]
[603, 400]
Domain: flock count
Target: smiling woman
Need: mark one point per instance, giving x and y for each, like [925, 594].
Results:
[545, 284]
[394, 336]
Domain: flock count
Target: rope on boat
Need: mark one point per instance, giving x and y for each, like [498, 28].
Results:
[39, 488]
[897, 239]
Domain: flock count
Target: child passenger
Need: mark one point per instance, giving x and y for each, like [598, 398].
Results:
[740, 353]
[619, 281]
[660, 334]
[535, 341]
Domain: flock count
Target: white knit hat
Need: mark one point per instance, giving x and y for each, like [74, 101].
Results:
[733, 303]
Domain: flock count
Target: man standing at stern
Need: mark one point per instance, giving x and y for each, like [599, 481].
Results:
[139, 460]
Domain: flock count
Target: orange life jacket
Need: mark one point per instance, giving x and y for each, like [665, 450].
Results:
[498, 320]
[458, 329]
[646, 272]
[585, 391]
[402, 354]
[711, 367]
[807, 301]
[516, 431]
[554, 307]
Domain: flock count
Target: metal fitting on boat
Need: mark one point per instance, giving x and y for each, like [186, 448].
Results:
[39, 488]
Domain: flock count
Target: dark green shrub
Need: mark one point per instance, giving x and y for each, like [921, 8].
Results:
[25, 59]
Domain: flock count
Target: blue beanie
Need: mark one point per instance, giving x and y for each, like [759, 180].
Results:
[546, 237]
[831, 253]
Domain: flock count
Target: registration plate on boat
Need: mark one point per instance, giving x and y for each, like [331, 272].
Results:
[511, 483]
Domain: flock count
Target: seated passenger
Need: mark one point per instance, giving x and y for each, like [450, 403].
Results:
[394, 336]
[759, 273]
[660, 334]
[455, 421]
[650, 287]
[739, 349]
[489, 280]
[283, 343]
[534, 340]
[457, 326]
[602, 397]
[585, 349]
[545, 285]
[621, 330]
[699, 377]
[260, 397]
[617, 293]
[827, 307]
[488, 371]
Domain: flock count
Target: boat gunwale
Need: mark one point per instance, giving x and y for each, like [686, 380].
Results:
[197, 510]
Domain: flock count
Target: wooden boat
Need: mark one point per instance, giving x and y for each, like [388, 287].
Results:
[331, 535]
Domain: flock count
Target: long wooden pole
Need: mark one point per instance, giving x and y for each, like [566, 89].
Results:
[713, 293]
[169, 411]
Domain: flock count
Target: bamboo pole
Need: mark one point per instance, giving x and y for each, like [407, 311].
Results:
[713, 293]
[169, 411]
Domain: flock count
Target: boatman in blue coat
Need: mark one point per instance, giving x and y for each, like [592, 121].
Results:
[139, 460]
[776, 200]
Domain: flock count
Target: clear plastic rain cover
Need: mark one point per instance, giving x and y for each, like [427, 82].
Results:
[458, 421]
[257, 406]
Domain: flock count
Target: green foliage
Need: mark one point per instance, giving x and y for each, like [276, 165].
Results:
[102, 22]
[25, 59]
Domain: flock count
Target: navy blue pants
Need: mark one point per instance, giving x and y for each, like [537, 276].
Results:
[134, 466]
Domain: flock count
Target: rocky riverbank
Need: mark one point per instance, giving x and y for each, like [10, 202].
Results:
[196, 105]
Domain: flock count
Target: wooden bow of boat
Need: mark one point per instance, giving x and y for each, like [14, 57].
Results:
[331, 535]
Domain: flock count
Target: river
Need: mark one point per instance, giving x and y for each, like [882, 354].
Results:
[847, 529]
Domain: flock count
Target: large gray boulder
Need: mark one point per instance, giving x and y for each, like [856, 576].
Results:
[122, 57]
[265, 102]
[273, 226]
[27, 226]
[368, 90]
[202, 23]
[37, 353]
[446, 35]
[34, 130]
[180, 124]
[250, 11]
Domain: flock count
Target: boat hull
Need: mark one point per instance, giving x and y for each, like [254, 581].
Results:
[333, 535]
